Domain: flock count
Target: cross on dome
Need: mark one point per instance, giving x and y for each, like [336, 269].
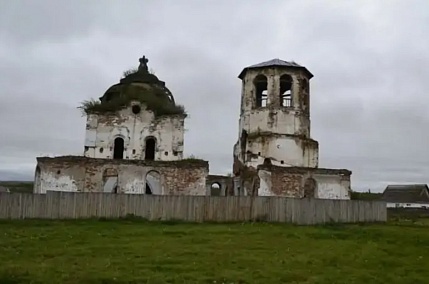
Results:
[143, 63]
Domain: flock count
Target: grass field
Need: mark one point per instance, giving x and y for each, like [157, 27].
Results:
[18, 186]
[134, 251]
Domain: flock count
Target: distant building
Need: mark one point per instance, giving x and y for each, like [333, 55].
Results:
[406, 196]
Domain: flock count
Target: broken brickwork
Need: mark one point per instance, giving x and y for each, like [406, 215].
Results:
[302, 182]
[76, 173]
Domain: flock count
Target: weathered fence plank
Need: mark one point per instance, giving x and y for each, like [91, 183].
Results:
[69, 205]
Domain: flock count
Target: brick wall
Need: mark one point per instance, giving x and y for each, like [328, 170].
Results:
[76, 173]
[290, 182]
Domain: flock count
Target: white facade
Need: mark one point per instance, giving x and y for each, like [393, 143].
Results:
[144, 136]
[80, 174]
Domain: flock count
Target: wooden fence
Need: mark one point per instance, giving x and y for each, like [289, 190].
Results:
[68, 205]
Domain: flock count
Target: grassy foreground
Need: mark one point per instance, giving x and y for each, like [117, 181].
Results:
[133, 251]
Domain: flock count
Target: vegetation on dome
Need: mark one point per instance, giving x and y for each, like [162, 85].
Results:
[129, 72]
[156, 99]
[135, 70]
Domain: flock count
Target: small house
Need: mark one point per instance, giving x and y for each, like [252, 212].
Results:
[406, 196]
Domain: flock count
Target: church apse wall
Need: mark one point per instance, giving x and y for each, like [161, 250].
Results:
[303, 182]
[81, 174]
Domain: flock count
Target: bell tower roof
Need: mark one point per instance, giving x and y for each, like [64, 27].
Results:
[275, 63]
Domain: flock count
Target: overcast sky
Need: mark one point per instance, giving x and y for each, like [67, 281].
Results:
[369, 95]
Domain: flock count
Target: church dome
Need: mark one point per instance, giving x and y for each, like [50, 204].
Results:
[138, 85]
[138, 82]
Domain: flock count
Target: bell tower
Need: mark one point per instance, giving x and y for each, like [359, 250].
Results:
[274, 125]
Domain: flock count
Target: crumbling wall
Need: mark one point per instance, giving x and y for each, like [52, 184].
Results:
[101, 131]
[281, 121]
[72, 173]
[293, 119]
[278, 133]
[225, 184]
[282, 150]
[66, 176]
[293, 182]
[246, 180]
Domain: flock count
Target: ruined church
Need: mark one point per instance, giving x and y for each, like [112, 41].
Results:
[134, 142]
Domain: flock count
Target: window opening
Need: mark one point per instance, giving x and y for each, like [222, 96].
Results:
[286, 91]
[261, 87]
[215, 189]
[150, 149]
[118, 148]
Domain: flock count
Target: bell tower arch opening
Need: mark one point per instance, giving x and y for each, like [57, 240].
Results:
[286, 83]
[261, 90]
[118, 148]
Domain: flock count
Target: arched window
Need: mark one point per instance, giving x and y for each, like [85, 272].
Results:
[153, 183]
[286, 91]
[261, 89]
[215, 189]
[150, 146]
[110, 180]
[118, 148]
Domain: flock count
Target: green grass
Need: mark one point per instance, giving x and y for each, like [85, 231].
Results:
[355, 195]
[133, 251]
[18, 186]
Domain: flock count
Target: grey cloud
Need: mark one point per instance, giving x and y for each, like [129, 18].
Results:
[13, 176]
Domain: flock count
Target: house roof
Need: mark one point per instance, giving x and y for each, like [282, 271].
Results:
[406, 193]
[274, 63]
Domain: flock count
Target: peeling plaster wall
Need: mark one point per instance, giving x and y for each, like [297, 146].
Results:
[278, 120]
[332, 186]
[265, 183]
[101, 131]
[86, 175]
[283, 151]
[53, 181]
[290, 182]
